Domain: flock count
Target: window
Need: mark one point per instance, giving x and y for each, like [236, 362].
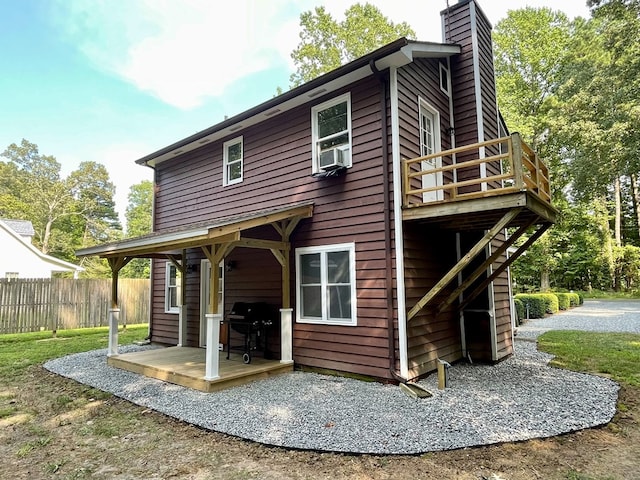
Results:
[232, 153]
[444, 79]
[326, 284]
[172, 289]
[331, 134]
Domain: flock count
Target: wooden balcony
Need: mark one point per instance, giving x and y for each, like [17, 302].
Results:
[473, 186]
[488, 187]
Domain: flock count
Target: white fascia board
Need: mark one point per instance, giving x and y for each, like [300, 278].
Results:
[62, 264]
[141, 242]
[398, 58]
[431, 50]
[284, 107]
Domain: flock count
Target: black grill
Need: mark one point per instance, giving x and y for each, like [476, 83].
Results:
[252, 321]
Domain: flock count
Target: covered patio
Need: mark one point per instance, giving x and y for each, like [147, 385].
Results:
[205, 369]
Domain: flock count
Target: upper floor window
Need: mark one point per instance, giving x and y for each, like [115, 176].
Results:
[172, 289]
[331, 134]
[232, 154]
[444, 79]
[326, 283]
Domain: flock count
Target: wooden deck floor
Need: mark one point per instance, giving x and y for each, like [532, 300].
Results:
[186, 366]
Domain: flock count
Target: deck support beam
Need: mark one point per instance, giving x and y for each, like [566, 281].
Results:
[485, 265]
[116, 264]
[501, 268]
[463, 262]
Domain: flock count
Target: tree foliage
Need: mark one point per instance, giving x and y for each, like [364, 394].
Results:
[67, 213]
[326, 43]
[572, 89]
[139, 218]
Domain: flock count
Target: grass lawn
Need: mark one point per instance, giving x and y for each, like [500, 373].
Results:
[55, 428]
[616, 355]
[22, 350]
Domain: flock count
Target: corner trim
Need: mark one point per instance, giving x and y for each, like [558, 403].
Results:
[397, 223]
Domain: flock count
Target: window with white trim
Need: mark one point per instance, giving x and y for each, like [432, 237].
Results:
[172, 289]
[326, 284]
[331, 134]
[445, 82]
[232, 155]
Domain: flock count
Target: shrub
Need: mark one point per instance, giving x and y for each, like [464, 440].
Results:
[574, 300]
[532, 305]
[564, 302]
[520, 310]
[550, 302]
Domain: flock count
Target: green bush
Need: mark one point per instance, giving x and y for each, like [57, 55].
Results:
[580, 298]
[520, 310]
[564, 302]
[574, 300]
[550, 302]
[532, 305]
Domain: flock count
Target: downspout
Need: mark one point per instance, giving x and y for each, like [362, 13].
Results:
[153, 228]
[387, 221]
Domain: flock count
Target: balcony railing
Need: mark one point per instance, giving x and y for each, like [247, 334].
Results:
[495, 167]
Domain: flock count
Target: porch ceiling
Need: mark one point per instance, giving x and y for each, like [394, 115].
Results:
[223, 230]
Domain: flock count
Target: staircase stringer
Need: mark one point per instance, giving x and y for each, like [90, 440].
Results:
[464, 261]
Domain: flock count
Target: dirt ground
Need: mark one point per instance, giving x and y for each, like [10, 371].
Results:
[51, 427]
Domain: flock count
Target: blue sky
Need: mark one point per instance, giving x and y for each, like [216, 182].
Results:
[113, 80]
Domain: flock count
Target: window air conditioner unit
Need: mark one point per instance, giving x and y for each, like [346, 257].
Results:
[333, 158]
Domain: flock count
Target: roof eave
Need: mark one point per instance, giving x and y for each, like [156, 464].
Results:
[397, 53]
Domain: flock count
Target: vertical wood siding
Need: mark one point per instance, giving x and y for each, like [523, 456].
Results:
[277, 172]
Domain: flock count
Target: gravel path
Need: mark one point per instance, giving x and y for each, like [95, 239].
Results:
[593, 316]
[518, 399]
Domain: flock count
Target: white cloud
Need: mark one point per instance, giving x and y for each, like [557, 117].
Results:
[179, 51]
[186, 51]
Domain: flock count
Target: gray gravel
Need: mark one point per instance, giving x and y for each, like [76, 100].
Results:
[518, 399]
[593, 316]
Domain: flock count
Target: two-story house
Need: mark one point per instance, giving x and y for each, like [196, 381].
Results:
[371, 208]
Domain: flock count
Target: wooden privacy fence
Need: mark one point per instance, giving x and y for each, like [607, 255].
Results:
[29, 305]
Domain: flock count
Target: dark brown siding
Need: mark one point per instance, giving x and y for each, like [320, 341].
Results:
[502, 304]
[277, 172]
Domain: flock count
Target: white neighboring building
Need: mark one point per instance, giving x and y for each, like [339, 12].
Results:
[20, 259]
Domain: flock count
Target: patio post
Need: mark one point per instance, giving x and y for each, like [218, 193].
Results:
[213, 339]
[114, 318]
[182, 325]
[286, 335]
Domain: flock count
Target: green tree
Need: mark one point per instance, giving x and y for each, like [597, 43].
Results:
[139, 218]
[67, 213]
[45, 196]
[530, 49]
[326, 44]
